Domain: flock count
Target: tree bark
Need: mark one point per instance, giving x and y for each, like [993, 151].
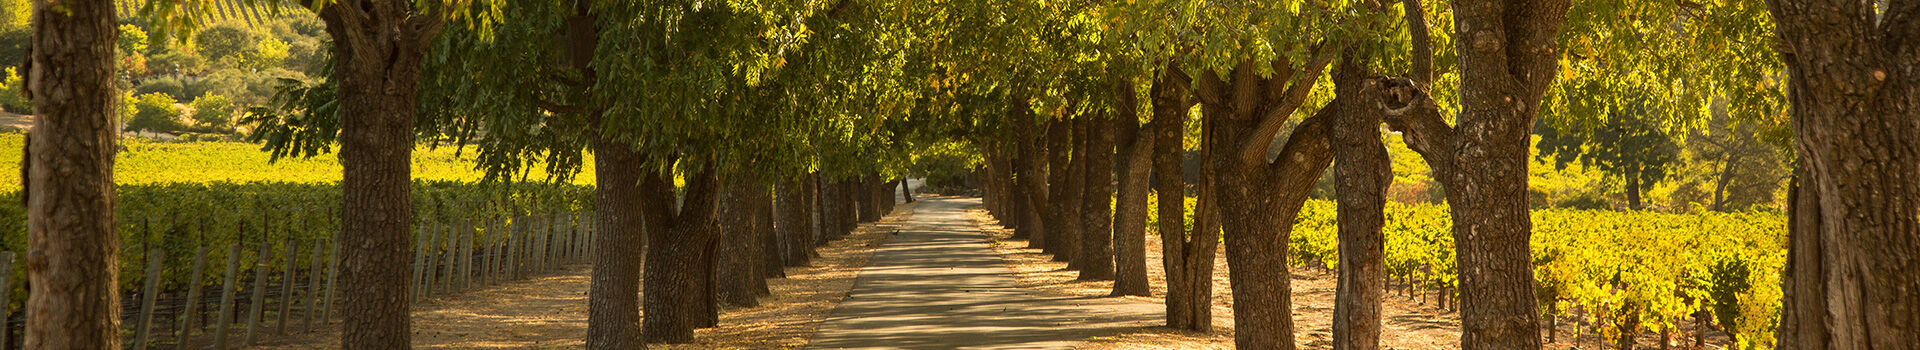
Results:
[73, 247]
[821, 204]
[1508, 55]
[1033, 179]
[1130, 210]
[850, 198]
[613, 299]
[796, 221]
[1633, 190]
[771, 262]
[378, 49]
[1258, 198]
[738, 264]
[679, 271]
[861, 188]
[1187, 258]
[1853, 281]
[1096, 206]
[1364, 172]
[1063, 211]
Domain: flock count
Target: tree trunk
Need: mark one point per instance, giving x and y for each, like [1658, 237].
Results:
[861, 188]
[679, 266]
[1726, 176]
[1096, 208]
[378, 49]
[1130, 209]
[771, 263]
[796, 221]
[906, 190]
[1854, 86]
[73, 247]
[737, 264]
[821, 204]
[613, 299]
[834, 207]
[1187, 258]
[1363, 169]
[1063, 211]
[850, 199]
[1633, 191]
[1506, 65]
[996, 178]
[1258, 198]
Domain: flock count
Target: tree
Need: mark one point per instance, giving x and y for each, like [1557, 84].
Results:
[1130, 208]
[1851, 281]
[1508, 54]
[379, 49]
[1628, 146]
[73, 247]
[1096, 209]
[1187, 256]
[224, 42]
[1361, 164]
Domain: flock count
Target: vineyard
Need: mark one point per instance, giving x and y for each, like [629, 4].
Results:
[1628, 271]
[185, 204]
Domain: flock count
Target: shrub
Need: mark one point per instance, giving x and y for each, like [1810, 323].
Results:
[13, 93]
[171, 86]
[214, 111]
[155, 112]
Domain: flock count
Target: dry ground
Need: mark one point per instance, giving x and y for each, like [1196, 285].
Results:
[1410, 322]
[550, 312]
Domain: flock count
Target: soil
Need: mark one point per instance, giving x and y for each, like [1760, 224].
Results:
[1411, 320]
[550, 312]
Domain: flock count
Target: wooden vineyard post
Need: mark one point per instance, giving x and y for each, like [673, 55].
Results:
[512, 252]
[466, 254]
[257, 303]
[185, 330]
[556, 241]
[286, 286]
[593, 233]
[557, 249]
[488, 234]
[333, 281]
[227, 292]
[583, 239]
[419, 261]
[430, 262]
[540, 245]
[313, 286]
[6, 297]
[148, 297]
[446, 279]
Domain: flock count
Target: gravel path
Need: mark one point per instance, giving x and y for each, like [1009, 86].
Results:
[937, 285]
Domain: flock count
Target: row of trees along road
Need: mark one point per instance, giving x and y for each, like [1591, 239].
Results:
[691, 107]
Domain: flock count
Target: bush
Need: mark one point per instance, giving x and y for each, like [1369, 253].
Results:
[214, 111]
[13, 93]
[155, 112]
[171, 86]
[176, 62]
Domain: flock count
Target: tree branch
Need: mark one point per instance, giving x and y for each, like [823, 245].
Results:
[1308, 151]
[1253, 150]
[1411, 111]
[1421, 52]
[555, 107]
